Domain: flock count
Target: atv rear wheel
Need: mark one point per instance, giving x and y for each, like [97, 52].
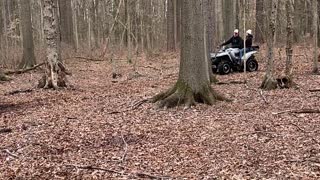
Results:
[252, 65]
[224, 67]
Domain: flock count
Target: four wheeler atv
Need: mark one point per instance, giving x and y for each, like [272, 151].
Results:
[226, 61]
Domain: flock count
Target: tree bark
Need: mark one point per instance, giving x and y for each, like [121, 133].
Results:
[259, 33]
[28, 57]
[171, 26]
[193, 84]
[66, 22]
[269, 82]
[208, 6]
[315, 36]
[289, 50]
[55, 74]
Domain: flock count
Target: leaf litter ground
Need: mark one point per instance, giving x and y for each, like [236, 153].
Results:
[98, 129]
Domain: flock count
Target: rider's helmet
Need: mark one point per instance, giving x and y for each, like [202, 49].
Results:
[249, 32]
[236, 32]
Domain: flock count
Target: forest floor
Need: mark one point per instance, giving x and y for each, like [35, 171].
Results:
[102, 129]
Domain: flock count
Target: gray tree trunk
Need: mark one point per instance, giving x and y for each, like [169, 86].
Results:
[28, 57]
[171, 26]
[208, 6]
[228, 18]
[55, 74]
[193, 84]
[66, 22]
[269, 82]
[259, 32]
[315, 36]
[289, 50]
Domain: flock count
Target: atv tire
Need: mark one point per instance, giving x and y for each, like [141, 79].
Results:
[252, 65]
[224, 67]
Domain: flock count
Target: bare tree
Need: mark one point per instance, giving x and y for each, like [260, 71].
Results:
[55, 74]
[28, 57]
[171, 36]
[208, 6]
[269, 81]
[289, 50]
[315, 36]
[66, 22]
[193, 84]
[259, 21]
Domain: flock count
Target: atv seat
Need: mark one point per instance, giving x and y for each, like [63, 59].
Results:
[255, 48]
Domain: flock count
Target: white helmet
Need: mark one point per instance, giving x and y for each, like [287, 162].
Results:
[249, 31]
[236, 31]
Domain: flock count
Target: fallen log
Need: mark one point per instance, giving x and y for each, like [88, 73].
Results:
[299, 111]
[21, 71]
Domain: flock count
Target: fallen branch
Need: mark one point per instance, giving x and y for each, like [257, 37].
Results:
[11, 154]
[303, 160]
[150, 176]
[154, 68]
[231, 82]
[85, 58]
[125, 149]
[18, 92]
[259, 92]
[5, 130]
[314, 90]
[21, 71]
[133, 107]
[138, 174]
[89, 167]
[264, 98]
[299, 111]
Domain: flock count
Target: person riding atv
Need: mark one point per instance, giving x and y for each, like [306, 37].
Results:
[236, 41]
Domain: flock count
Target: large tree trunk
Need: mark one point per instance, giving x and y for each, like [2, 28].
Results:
[315, 36]
[269, 82]
[193, 84]
[289, 50]
[259, 22]
[28, 58]
[55, 74]
[66, 22]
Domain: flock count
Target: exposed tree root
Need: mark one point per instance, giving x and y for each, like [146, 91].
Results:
[55, 77]
[182, 94]
[4, 78]
[269, 83]
[213, 79]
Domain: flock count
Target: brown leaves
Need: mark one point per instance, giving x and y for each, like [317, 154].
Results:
[241, 139]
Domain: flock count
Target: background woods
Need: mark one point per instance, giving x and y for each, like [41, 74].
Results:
[78, 79]
[139, 26]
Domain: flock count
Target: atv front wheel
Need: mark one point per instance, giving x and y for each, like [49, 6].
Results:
[224, 67]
